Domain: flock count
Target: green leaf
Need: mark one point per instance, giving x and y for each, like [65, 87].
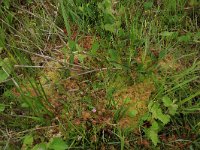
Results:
[81, 57]
[148, 5]
[150, 105]
[114, 56]
[9, 18]
[41, 146]
[78, 48]
[127, 100]
[108, 17]
[152, 132]
[57, 144]
[6, 3]
[167, 101]
[132, 113]
[153, 135]
[3, 76]
[169, 35]
[164, 118]
[184, 38]
[173, 109]
[146, 116]
[110, 27]
[2, 107]
[72, 45]
[25, 105]
[7, 65]
[155, 126]
[157, 114]
[170, 105]
[107, 3]
[95, 47]
[28, 140]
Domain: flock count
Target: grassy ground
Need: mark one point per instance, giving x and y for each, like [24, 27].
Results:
[99, 74]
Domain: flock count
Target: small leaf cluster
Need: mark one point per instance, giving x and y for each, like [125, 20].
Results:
[159, 115]
[55, 143]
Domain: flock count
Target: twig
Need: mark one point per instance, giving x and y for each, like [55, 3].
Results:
[50, 58]
[91, 71]
[28, 130]
[16, 84]
[10, 79]
[28, 66]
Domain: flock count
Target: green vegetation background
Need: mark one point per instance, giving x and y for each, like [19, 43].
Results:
[99, 74]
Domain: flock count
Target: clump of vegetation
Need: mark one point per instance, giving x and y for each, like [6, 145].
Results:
[99, 74]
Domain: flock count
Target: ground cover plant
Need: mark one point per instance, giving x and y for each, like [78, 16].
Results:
[99, 74]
